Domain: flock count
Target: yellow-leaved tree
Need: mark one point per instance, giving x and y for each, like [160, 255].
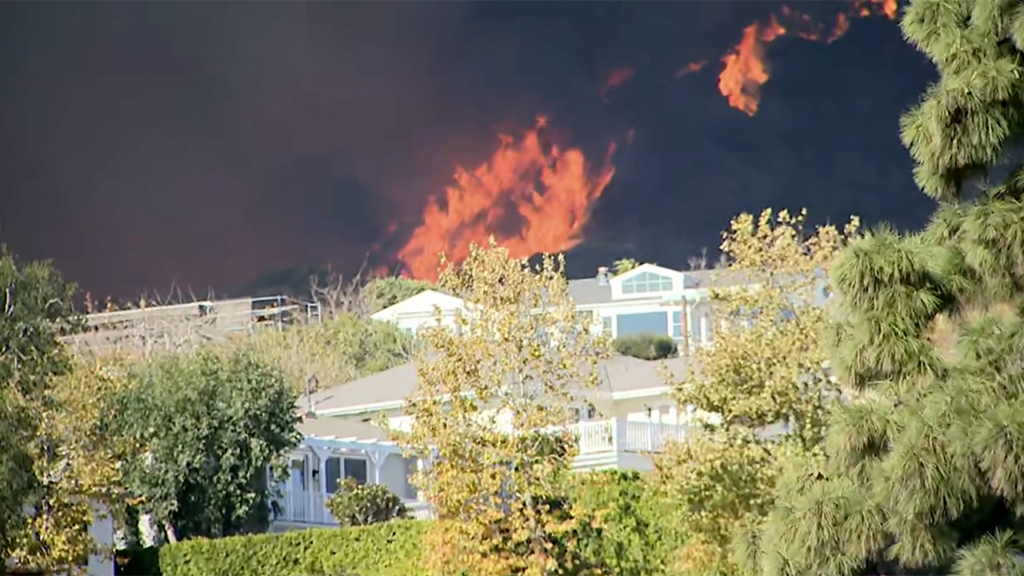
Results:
[497, 387]
[76, 464]
[763, 384]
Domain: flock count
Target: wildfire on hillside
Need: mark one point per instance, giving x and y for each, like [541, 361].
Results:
[532, 197]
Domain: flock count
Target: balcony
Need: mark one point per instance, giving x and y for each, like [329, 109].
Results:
[619, 435]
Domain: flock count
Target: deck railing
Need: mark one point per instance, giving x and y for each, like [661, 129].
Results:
[619, 435]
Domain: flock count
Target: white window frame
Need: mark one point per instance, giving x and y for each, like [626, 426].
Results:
[342, 469]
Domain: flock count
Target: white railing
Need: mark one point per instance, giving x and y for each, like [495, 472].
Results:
[618, 435]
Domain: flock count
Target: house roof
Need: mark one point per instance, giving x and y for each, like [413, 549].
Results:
[619, 374]
[341, 428]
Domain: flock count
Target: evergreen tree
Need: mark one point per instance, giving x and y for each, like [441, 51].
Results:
[925, 457]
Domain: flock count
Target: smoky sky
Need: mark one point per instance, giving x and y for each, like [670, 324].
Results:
[208, 143]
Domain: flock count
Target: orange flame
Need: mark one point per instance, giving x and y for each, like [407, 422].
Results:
[746, 68]
[530, 197]
[615, 78]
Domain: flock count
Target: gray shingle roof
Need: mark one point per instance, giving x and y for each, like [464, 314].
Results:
[618, 374]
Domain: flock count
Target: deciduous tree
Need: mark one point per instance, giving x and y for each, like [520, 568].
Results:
[211, 424]
[494, 395]
[925, 461]
[35, 308]
[76, 463]
[761, 389]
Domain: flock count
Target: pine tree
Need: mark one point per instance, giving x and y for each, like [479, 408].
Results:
[925, 457]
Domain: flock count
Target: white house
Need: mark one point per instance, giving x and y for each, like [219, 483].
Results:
[630, 415]
[648, 299]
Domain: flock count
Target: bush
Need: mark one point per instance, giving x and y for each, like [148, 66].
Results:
[364, 504]
[646, 346]
[390, 549]
[619, 524]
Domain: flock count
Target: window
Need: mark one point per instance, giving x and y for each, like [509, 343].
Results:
[583, 413]
[606, 324]
[696, 318]
[642, 323]
[646, 282]
[695, 326]
[338, 469]
[585, 317]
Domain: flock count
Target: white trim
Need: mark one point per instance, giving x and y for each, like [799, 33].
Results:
[362, 408]
[641, 393]
[350, 444]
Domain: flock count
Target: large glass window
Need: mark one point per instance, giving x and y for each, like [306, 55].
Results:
[646, 282]
[338, 469]
[606, 324]
[642, 323]
[677, 324]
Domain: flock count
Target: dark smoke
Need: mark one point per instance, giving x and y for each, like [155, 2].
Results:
[211, 143]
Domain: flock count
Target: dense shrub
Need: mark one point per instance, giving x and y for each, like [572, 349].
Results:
[613, 526]
[646, 346]
[364, 504]
[619, 524]
[389, 549]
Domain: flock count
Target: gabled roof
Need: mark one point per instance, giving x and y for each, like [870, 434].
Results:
[424, 301]
[652, 268]
[619, 375]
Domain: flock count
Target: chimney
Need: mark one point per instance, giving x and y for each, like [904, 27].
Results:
[602, 276]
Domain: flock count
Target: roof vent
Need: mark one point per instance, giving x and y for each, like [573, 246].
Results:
[602, 276]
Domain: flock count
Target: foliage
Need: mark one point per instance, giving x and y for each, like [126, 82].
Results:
[390, 549]
[968, 122]
[341, 349]
[380, 293]
[56, 457]
[764, 374]
[210, 425]
[617, 524]
[357, 504]
[623, 265]
[925, 462]
[75, 460]
[36, 304]
[646, 346]
[507, 366]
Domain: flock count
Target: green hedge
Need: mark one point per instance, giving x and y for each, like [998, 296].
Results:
[619, 530]
[390, 549]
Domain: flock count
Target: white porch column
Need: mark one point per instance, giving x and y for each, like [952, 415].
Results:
[421, 464]
[317, 497]
[377, 458]
[102, 532]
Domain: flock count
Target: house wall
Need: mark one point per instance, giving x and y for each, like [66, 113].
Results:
[415, 312]
[395, 475]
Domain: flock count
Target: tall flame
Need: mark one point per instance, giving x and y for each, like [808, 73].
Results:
[530, 197]
[746, 68]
